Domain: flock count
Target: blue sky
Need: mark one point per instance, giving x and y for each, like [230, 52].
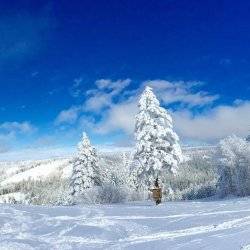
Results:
[69, 66]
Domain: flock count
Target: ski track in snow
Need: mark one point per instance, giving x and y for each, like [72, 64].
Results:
[174, 225]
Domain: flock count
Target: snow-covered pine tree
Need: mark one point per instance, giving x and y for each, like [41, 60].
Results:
[157, 145]
[85, 172]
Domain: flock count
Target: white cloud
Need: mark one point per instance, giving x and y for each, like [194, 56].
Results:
[68, 116]
[75, 89]
[114, 86]
[121, 115]
[97, 99]
[102, 96]
[118, 117]
[10, 130]
[116, 107]
[181, 92]
[209, 126]
[17, 127]
[5, 140]
[4, 147]
[214, 124]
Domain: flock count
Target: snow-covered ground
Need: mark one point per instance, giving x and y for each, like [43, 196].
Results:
[223, 224]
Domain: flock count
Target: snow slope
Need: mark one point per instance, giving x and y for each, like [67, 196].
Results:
[41, 171]
[175, 225]
[19, 171]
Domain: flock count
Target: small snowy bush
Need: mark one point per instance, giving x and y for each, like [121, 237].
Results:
[105, 194]
[199, 192]
[234, 167]
[52, 191]
[112, 194]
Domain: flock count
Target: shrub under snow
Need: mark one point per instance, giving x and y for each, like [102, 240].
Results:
[234, 167]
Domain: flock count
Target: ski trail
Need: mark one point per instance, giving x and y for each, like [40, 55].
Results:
[140, 217]
[189, 231]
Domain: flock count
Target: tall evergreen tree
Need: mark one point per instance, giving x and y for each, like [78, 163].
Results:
[157, 145]
[85, 167]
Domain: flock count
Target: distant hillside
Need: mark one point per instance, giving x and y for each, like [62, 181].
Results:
[24, 174]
